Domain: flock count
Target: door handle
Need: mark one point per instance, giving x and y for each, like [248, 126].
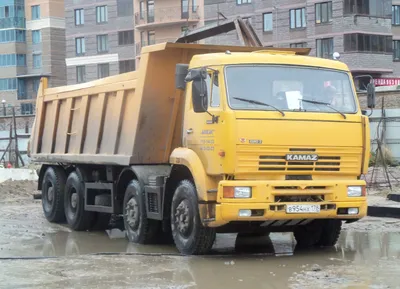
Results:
[189, 131]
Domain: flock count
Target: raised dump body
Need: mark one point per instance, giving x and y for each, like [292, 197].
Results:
[132, 118]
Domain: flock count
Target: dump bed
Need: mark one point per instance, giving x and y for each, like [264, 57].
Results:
[131, 118]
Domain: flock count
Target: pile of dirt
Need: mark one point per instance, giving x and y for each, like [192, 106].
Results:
[12, 189]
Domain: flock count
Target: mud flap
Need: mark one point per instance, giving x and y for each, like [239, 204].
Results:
[207, 212]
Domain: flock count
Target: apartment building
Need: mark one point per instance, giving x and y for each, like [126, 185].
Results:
[32, 45]
[362, 31]
[100, 39]
[158, 21]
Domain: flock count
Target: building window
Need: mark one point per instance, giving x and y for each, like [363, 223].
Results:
[396, 15]
[101, 14]
[126, 65]
[142, 10]
[36, 83]
[37, 60]
[184, 9]
[102, 43]
[80, 48]
[79, 17]
[125, 37]
[298, 45]
[325, 47]
[323, 12]
[297, 18]
[12, 36]
[35, 9]
[151, 37]
[359, 42]
[194, 5]
[12, 60]
[8, 84]
[150, 11]
[21, 60]
[124, 8]
[241, 2]
[267, 22]
[36, 36]
[80, 74]
[396, 50]
[377, 8]
[103, 70]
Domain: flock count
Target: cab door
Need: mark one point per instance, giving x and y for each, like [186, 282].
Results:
[202, 131]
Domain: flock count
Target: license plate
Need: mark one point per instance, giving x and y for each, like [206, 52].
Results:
[302, 209]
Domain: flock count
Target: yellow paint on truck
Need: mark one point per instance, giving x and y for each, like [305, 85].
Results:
[265, 149]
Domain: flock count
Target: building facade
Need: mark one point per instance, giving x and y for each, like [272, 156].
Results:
[100, 39]
[158, 21]
[32, 45]
[362, 31]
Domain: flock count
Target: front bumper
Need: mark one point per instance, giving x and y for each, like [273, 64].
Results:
[267, 195]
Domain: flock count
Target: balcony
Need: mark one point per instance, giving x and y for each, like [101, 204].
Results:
[12, 22]
[166, 16]
[140, 45]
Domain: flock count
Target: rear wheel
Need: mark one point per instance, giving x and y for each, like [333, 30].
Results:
[53, 194]
[189, 234]
[74, 204]
[138, 228]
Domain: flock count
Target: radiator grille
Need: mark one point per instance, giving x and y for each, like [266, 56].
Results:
[264, 159]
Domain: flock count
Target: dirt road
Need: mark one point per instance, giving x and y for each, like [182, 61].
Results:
[44, 255]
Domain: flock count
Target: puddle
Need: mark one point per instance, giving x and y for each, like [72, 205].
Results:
[277, 264]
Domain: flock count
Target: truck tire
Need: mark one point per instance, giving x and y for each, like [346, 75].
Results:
[189, 234]
[53, 184]
[330, 233]
[74, 204]
[308, 235]
[138, 228]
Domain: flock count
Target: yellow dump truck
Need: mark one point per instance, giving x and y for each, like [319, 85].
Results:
[206, 139]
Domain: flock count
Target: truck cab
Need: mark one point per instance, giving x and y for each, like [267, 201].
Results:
[281, 139]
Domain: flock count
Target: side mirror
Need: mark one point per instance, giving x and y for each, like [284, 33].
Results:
[371, 95]
[181, 71]
[199, 89]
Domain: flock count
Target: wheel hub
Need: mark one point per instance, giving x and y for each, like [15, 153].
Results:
[132, 213]
[182, 218]
[74, 200]
[50, 194]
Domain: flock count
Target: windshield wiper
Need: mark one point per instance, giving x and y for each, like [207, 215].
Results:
[259, 103]
[323, 103]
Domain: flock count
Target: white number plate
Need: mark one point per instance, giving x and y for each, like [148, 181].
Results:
[302, 209]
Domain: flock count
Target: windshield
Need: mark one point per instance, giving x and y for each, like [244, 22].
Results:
[289, 89]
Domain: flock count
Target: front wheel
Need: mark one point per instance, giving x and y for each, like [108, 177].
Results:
[330, 233]
[309, 235]
[189, 234]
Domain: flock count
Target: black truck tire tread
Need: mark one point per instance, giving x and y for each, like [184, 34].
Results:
[330, 233]
[202, 238]
[59, 179]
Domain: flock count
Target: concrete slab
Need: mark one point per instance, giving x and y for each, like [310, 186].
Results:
[394, 197]
[379, 206]
[18, 175]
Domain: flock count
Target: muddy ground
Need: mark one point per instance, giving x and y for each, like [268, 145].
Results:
[37, 254]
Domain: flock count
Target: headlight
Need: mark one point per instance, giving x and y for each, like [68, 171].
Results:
[355, 191]
[237, 192]
[242, 192]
